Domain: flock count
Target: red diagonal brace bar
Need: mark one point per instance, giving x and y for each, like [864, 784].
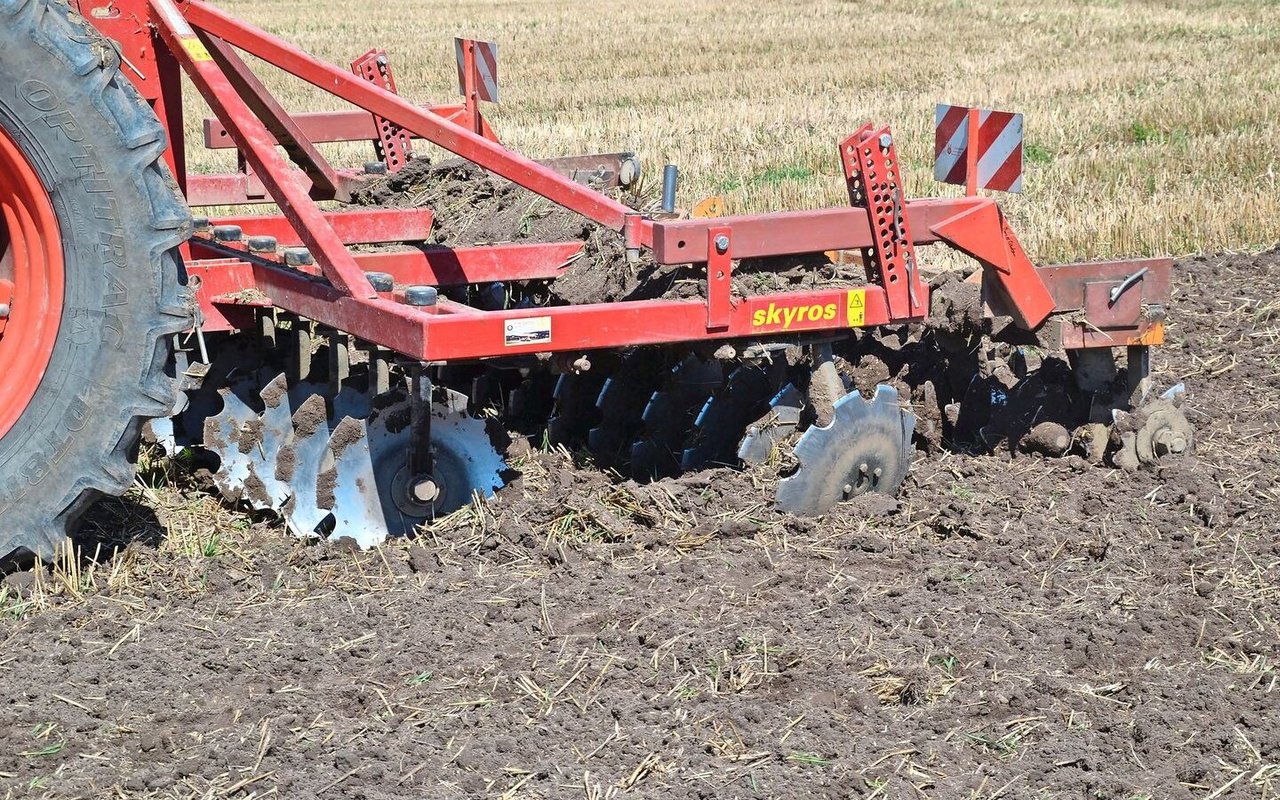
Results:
[983, 233]
[278, 122]
[258, 147]
[454, 138]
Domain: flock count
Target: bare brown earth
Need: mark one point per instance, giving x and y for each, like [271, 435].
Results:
[1012, 626]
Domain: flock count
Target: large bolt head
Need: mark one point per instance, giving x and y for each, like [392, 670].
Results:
[4, 310]
[298, 257]
[262, 244]
[629, 171]
[228, 233]
[421, 295]
[722, 244]
[425, 491]
[1171, 441]
[381, 281]
[885, 141]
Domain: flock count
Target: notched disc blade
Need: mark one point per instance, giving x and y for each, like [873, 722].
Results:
[365, 481]
[622, 402]
[866, 448]
[232, 434]
[669, 416]
[782, 420]
[574, 411]
[263, 490]
[299, 466]
[722, 422]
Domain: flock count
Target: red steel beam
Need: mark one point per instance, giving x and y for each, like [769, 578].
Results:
[452, 137]
[612, 325]
[1067, 282]
[328, 126]
[434, 266]
[369, 226]
[456, 332]
[455, 266]
[227, 190]
[258, 147]
[783, 233]
[242, 188]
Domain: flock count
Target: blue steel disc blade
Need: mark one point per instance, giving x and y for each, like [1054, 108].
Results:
[299, 466]
[622, 402]
[764, 435]
[669, 416]
[369, 459]
[231, 434]
[866, 448]
[722, 421]
[575, 408]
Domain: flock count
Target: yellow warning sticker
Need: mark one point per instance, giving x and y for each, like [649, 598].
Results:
[855, 306]
[196, 49]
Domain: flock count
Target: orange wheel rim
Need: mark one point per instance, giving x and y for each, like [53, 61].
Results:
[32, 282]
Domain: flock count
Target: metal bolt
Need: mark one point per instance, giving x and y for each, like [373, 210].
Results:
[426, 491]
[582, 364]
[862, 468]
[381, 281]
[722, 244]
[629, 171]
[877, 472]
[382, 61]
[228, 233]
[885, 141]
[298, 257]
[421, 295]
[201, 224]
[848, 489]
[4, 310]
[262, 244]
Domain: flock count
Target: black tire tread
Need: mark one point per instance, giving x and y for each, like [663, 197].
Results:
[53, 25]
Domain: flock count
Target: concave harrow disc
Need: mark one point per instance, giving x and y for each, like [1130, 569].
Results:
[366, 478]
[669, 414]
[865, 448]
[718, 428]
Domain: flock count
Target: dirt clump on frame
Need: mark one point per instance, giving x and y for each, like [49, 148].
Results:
[473, 207]
[1011, 626]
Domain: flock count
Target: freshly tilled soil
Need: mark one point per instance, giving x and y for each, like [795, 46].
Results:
[1011, 626]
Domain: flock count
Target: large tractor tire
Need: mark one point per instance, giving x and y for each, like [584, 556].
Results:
[91, 286]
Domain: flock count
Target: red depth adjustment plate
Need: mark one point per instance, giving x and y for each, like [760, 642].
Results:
[870, 164]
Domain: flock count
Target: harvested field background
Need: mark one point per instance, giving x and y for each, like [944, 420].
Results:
[1150, 125]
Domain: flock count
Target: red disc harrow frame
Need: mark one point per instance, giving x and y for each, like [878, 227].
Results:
[281, 164]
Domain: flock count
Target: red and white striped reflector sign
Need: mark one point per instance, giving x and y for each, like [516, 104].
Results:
[486, 67]
[999, 142]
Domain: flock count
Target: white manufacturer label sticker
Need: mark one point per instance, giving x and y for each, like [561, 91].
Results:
[531, 330]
